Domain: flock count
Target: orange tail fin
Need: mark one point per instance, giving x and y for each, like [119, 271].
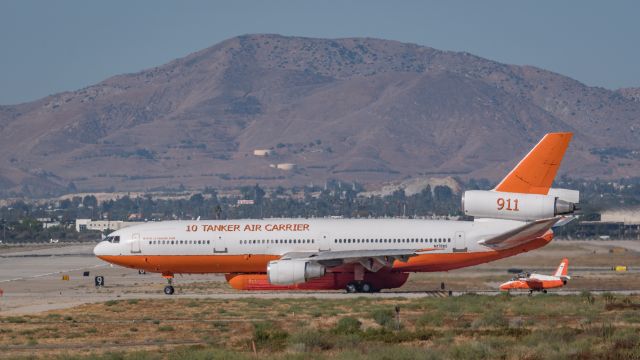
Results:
[535, 173]
[563, 268]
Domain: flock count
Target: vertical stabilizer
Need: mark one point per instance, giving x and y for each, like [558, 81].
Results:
[563, 268]
[534, 174]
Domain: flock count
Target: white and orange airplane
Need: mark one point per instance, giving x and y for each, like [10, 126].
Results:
[537, 282]
[359, 255]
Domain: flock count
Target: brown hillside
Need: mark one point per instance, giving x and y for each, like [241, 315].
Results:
[356, 109]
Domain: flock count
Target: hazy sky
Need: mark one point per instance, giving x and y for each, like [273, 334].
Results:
[52, 46]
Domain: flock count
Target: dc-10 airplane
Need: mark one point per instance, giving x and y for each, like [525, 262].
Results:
[538, 282]
[359, 255]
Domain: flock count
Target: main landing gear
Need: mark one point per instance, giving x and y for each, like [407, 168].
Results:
[169, 290]
[360, 287]
[544, 291]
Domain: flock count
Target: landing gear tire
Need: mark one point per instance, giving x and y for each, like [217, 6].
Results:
[169, 290]
[365, 287]
[544, 291]
[352, 288]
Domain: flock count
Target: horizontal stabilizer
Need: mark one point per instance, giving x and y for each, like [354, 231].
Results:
[520, 235]
[564, 221]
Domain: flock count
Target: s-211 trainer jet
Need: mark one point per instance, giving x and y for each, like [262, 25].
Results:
[538, 282]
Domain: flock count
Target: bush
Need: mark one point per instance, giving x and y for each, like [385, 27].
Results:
[383, 317]
[16, 320]
[199, 353]
[431, 319]
[469, 350]
[627, 339]
[267, 335]
[347, 325]
[308, 340]
[587, 297]
[492, 318]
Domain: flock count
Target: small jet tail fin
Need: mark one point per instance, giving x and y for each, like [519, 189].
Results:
[563, 268]
[534, 174]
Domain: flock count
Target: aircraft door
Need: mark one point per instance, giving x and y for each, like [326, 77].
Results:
[135, 244]
[324, 242]
[220, 245]
[460, 242]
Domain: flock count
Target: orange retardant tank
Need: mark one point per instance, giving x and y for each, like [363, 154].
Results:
[331, 281]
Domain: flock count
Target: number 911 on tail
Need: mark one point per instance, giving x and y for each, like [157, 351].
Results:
[516, 206]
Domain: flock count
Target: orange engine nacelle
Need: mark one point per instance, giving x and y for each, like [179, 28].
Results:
[331, 281]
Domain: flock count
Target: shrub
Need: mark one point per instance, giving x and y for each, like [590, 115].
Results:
[627, 339]
[384, 317]
[632, 317]
[587, 297]
[469, 350]
[16, 320]
[165, 328]
[199, 353]
[347, 325]
[492, 318]
[608, 298]
[431, 319]
[267, 335]
[308, 340]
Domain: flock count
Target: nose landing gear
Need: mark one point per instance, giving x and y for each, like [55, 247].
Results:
[168, 290]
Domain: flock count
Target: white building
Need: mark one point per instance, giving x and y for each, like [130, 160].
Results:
[101, 225]
[262, 152]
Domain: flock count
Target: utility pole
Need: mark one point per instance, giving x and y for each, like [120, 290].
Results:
[4, 231]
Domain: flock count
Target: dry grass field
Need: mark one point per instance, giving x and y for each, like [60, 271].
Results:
[42, 316]
[470, 326]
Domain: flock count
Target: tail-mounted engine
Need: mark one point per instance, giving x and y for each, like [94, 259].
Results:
[516, 206]
[289, 272]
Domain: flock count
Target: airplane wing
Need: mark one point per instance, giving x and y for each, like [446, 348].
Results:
[372, 260]
[520, 235]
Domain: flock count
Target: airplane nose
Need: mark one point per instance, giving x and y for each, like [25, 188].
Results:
[100, 249]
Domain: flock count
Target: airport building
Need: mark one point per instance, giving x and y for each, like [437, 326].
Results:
[611, 225]
[102, 225]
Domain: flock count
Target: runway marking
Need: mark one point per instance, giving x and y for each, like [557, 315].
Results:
[53, 273]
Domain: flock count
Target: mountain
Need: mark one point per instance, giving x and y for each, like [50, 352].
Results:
[356, 109]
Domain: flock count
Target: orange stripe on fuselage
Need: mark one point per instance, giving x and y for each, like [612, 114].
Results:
[201, 264]
[193, 264]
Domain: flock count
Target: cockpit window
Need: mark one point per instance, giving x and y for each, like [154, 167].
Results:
[112, 239]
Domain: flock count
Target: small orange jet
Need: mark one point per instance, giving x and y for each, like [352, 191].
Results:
[537, 282]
